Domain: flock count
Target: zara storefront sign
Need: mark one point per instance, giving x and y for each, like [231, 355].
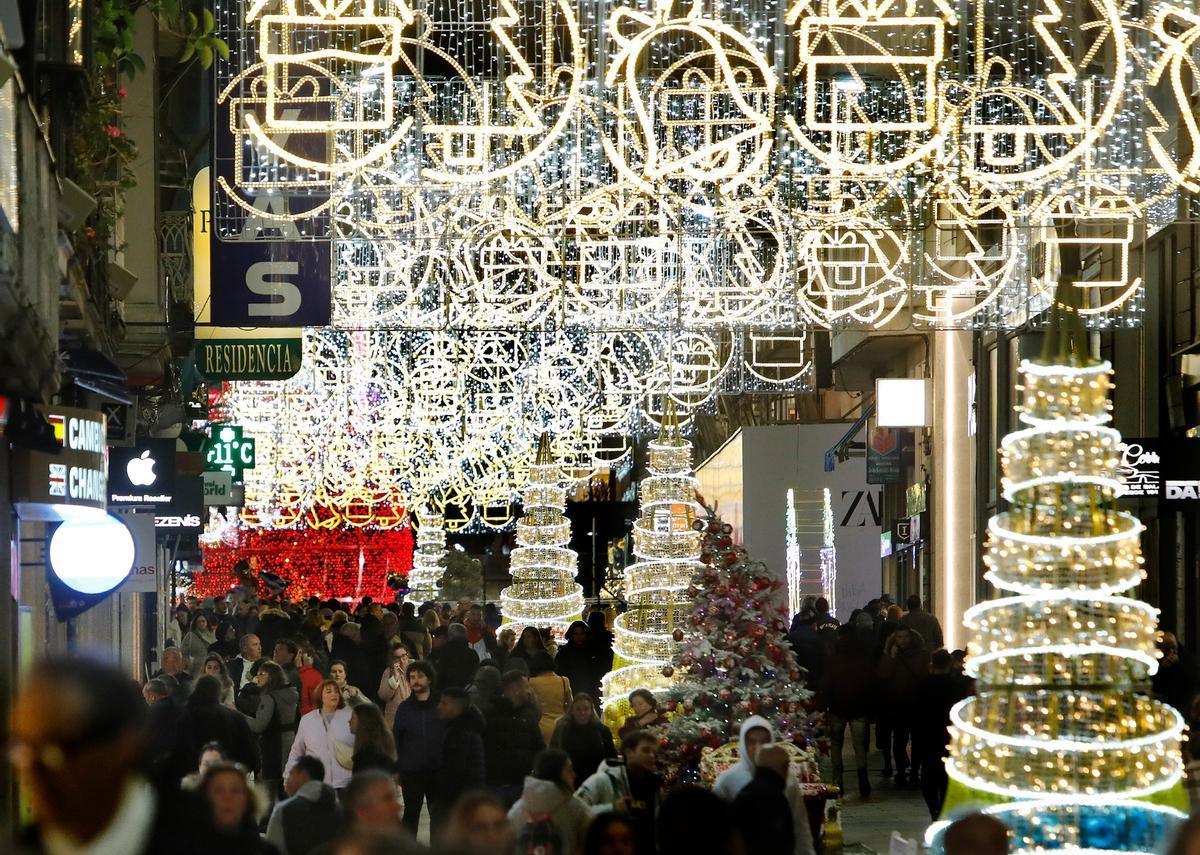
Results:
[56, 486]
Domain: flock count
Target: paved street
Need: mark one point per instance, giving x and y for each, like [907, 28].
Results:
[868, 824]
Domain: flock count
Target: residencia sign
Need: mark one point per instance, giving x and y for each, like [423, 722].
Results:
[248, 359]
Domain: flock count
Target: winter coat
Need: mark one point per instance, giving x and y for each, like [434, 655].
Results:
[393, 691]
[541, 800]
[275, 724]
[313, 737]
[631, 724]
[553, 694]
[307, 821]
[455, 662]
[763, 815]
[732, 781]
[462, 757]
[419, 735]
[484, 689]
[588, 745]
[936, 694]
[417, 636]
[577, 662]
[901, 674]
[273, 624]
[848, 689]
[201, 724]
[610, 784]
[926, 625]
[194, 647]
[310, 678]
[372, 758]
[512, 739]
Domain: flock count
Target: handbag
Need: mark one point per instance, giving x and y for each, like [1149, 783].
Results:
[342, 753]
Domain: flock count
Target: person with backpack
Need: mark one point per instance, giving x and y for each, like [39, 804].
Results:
[548, 819]
[630, 785]
[310, 816]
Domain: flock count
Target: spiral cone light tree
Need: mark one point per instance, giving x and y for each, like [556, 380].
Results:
[1058, 728]
[666, 544]
[428, 558]
[543, 592]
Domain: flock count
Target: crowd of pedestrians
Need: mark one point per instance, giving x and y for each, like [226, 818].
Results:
[885, 668]
[308, 728]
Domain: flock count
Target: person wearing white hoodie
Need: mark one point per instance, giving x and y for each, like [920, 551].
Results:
[755, 733]
[549, 796]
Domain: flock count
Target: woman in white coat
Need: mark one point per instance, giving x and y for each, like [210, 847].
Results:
[319, 732]
[757, 732]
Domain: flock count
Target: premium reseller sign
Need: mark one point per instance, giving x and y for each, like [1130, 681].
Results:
[143, 475]
[56, 486]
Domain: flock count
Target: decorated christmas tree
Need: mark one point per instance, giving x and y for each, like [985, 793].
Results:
[462, 576]
[543, 592]
[735, 660]
[428, 558]
[666, 546]
[1059, 728]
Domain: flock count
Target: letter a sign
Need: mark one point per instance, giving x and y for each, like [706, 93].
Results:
[270, 283]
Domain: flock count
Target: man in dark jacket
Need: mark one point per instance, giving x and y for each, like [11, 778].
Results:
[904, 664]
[310, 817]
[420, 734]
[162, 725]
[455, 660]
[935, 695]
[761, 809]
[847, 693]
[462, 752]
[205, 720]
[513, 737]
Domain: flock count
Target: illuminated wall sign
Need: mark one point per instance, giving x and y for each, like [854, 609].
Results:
[1167, 469]
[229, 451]
[271, 283]
[218, 488]
[72, 482]
[143, 474]
[248, 359]
[186, 512]
[231, 353]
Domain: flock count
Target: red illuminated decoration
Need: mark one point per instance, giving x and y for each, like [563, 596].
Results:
[326, 563]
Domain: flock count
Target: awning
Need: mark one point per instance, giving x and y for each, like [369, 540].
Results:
[89, 369]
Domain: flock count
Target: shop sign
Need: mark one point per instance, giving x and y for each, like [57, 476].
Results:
[186, 513]
[218, 488]
[143, 474]
[238, 352]
[143, 578]
[1167, 469]
[883, 456]
[271, 283]
[52, 486]
[122, 423]
[903, 534]
[248, 359]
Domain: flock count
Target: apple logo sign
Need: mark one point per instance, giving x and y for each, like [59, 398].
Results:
[141, 470]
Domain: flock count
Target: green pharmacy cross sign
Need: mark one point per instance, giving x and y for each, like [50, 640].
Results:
[229, 451]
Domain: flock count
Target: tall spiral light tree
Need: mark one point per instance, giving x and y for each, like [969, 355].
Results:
[1059, 729]
[666, 544]
[543, 592]
[428, 558]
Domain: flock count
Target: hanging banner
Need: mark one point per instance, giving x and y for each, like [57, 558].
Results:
[271, 283]
[237, 352]
[883, 456]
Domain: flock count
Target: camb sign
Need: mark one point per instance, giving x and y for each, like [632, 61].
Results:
[271, 283]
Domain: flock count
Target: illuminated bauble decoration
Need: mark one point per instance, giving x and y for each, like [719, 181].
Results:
[703, 126]
[92, 554]
[856, 273]
[543, 592]
[667, 549]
